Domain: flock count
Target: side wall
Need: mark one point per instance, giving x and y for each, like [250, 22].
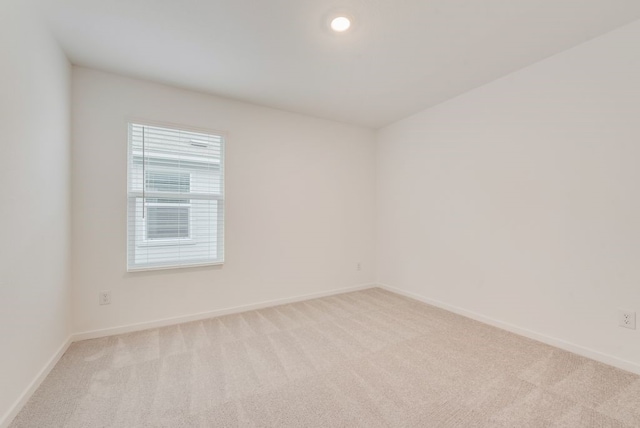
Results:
[35, 207]
[519, 202]
[299, 204]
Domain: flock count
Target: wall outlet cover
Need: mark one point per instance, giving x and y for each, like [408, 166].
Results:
[627, 319]
[104, 297]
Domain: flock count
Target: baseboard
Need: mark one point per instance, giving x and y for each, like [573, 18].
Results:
[94, 334]
[549, 340]
[8, 417]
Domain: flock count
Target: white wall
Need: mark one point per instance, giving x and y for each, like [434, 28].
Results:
[520, 200]
[35, 208]
[299, 204]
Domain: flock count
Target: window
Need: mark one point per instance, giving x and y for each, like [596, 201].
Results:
[175, 198]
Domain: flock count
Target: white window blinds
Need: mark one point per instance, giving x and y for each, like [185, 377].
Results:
[175, 198]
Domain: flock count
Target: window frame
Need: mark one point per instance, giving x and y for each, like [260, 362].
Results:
[220, 234]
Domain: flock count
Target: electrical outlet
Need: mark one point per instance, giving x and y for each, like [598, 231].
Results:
[359, 266]
[627, 319]
[104, 297]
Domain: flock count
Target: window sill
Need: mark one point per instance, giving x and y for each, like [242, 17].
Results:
[191, 265]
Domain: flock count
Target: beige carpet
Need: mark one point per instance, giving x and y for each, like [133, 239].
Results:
[362, 359]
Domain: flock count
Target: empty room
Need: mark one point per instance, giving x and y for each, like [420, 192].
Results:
[295, 213]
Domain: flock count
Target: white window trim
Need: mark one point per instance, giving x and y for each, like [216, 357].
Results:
[221, 199]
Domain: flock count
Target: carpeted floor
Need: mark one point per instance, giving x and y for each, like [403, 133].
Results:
[363, 359]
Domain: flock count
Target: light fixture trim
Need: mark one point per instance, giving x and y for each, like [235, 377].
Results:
[340, 24]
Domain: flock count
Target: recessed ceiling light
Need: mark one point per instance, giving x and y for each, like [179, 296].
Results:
[340, 24]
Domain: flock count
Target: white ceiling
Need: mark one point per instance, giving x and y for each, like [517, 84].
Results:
[400, 56]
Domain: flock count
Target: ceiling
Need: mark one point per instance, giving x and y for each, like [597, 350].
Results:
[399, 57]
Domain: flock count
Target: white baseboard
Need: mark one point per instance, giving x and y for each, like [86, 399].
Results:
[94, 334]
[35, 383]
[549, 340]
